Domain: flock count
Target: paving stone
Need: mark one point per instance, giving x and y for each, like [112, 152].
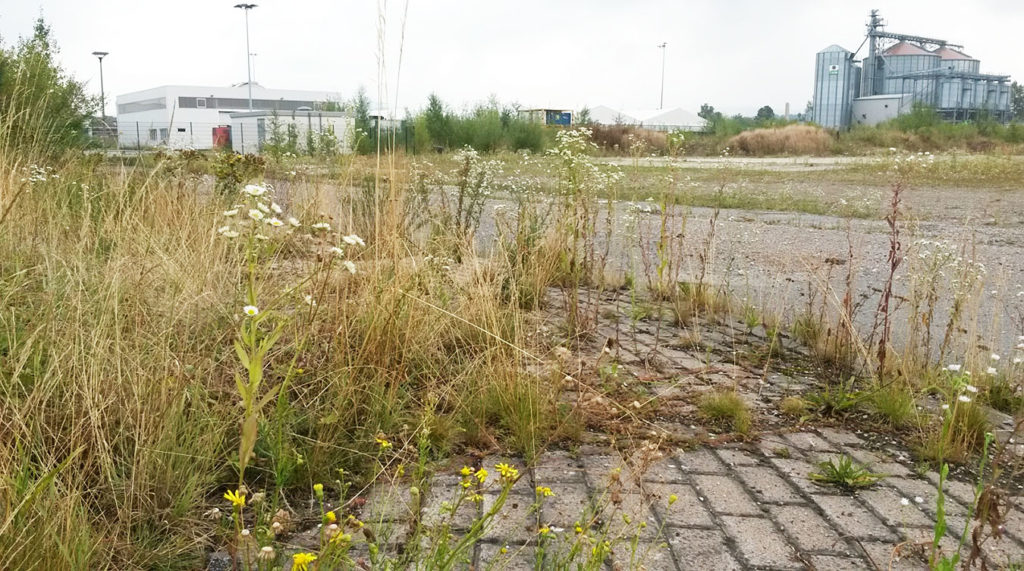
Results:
[701, 549]
[810, 443]
[962, 492]
[835, 563]
[768, 487]
[700, 461]
[878, 463]
[387, 502]
[796, 471]
[647, 555]
[737, 457]
[515, 558]
[776, 447]
[515, 522]
[440, 500]
[602, 469]
[624, 517]
[914, 488]
[558, 467]
[841, 437]
[887, 503]
[568, 505]
[665, 470]
[760, 543]
[852, 518]
[686, 511]
[807, 529]
[884, 556]
[725, 495]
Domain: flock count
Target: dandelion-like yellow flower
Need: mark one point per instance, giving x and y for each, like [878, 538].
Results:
[330, 517]
[237, 499]
[507, 471]
[466, 484]
[318, 489]
[544, 530]
[383, 443]
[466, 471]
[481, 475]
[672, 499]
[301, 561]
[544, 492]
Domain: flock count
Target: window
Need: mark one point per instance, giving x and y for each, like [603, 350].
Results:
[152, 134]
[163, 134]
[200, 103]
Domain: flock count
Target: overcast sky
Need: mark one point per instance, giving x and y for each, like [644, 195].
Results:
[735, 54]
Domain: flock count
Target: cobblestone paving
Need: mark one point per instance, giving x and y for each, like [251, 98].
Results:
[737, 507]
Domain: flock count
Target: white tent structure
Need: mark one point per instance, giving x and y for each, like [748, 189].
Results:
[677, 119]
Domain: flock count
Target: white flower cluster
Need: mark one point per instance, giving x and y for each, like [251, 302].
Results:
[36, 173]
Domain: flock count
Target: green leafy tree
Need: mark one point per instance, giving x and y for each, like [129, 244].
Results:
[439, 123]
[708, 113]
[765, 113]
[583, 117]
[1017, 100]
[41, 106]
[362, 140]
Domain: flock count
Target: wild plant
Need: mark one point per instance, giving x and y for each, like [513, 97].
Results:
[963, 424]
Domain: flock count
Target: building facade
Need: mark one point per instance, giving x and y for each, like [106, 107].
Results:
[186, 116]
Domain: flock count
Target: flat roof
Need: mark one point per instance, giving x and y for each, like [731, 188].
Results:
[304, 112]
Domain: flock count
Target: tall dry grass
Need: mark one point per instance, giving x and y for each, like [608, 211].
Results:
[788, 140]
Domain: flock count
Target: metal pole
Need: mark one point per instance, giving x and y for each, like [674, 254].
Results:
[103, 99]
[661, 102]
[248, 52]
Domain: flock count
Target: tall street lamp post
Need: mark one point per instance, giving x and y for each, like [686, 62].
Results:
[103, 100]
[661, 102]
[248, 53]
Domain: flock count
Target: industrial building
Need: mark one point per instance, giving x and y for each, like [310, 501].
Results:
[180, 116]
[677, 119]
[899, 71]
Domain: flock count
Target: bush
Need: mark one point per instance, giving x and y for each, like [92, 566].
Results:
[788, 140]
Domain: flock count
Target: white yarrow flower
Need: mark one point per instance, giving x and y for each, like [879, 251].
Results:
[223, 229]
[254, 190]
[954, 368]
[992, 370]
[255, 214]
[231, 212]
[963, 398]
[971, 388]
[353, 240]
[995, 357]
[945, 407]
[251, 310]
[229, 234]
[337, 251]
[349, 266]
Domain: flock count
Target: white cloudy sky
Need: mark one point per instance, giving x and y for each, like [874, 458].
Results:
[736, 54]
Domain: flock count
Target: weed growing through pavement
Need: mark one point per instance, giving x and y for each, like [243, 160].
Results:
[843, 472]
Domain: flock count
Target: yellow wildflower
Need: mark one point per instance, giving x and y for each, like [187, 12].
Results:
[481, 475]
[330, 517]
[544, 491]
[237, 500]
[318, 489]
[301, 561]
[507, 471]
[672, 499]
[466, 471]
[544, 530]
[383, 443]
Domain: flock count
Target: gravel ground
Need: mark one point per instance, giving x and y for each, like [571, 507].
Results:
[777, 260]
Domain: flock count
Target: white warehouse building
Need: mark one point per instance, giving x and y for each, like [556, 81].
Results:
[181, 116]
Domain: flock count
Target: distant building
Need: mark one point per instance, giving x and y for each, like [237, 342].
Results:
[899, 71]
[677, 119]
[560, 117]
[180, 116]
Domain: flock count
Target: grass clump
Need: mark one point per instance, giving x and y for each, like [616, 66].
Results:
[728, 410]
[844, 473]
[894, 404]
[788, 140]
[794, 406]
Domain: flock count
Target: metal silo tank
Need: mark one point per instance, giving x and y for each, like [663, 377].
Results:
[834, 84]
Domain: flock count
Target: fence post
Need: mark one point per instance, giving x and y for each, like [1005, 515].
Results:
[241, 135]
[191, 136]
[138, 138]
